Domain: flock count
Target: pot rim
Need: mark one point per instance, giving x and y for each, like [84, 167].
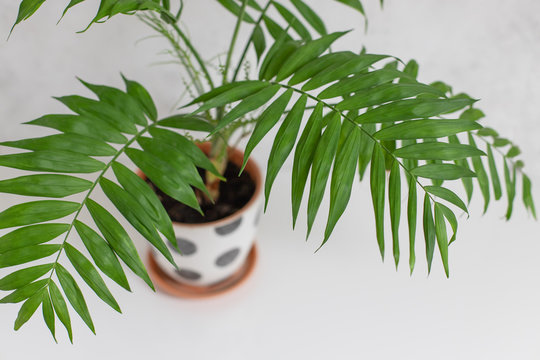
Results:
[236, 156]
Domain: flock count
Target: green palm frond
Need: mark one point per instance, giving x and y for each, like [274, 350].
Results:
[106, 127]
[381, 117]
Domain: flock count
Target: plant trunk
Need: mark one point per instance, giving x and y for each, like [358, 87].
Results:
[218, 157]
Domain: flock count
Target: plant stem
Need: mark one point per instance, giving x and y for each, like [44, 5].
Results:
[233, 40]
[246, 48]
[195, 54]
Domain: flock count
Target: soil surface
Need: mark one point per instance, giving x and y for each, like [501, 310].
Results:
[234, 194]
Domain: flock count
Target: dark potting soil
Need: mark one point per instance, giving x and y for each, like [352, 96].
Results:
[234, 194]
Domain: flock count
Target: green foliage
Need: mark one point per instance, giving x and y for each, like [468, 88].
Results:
[361, 110]
[108, 243]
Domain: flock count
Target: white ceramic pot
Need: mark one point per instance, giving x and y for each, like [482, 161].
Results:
[213, 252]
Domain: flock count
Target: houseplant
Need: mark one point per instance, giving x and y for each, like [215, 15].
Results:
[355, 138]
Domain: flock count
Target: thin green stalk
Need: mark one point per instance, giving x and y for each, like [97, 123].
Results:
[157, 25]
[246, 48]
[233, 40]
[195, 54]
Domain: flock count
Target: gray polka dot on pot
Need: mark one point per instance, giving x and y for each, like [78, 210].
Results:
[188, 274]
[186, 247]
[228, 257]
[229, 228]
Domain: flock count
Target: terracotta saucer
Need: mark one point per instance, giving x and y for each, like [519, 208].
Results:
[174, 287]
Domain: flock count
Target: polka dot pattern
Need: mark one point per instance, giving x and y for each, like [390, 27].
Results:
[186, 247]
[188, 274]
[227, 258]
[229, 228]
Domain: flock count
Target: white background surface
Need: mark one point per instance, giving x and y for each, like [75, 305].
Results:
[342, 302]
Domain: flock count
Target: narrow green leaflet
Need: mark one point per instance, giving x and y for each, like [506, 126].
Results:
[527, 195]
[48, 314]
[119, 240]
[74, 295]
[451, 218]
[276, 31]
[429, 231]
[36, 212]
[100, 110]
[394, 199]
[513, 152]
[442, 172]
[355, 4]
[472, 114]
[45, 185]
[27, 9]
[342, 177]
[187, 122]
[61, 309]
[385, 93]
[510, 181]
[121, 101]
[139, 93]
[164, 177]
[147, 198]
[28, 309]
[275, 61]
[73, 142]
[24, 277]
[495, 180]
[266, 122]
[488, 132]
[102, 254]
[259, 41]
[303, 156]
[250, 103]
[442, 238]
[412, 208]
[438, 151]
[293, 21]
[27, 254]
[320, 64]
[311, 17]
[25, 292]
[423, 129]
[89, 274]
[183, 168]
[231, 94]
[322, 163]
[354, 65]
[235, 9]
[283, 144]
[366, 148]
[53, 161]
[481, 175]
[378, 187]
[447, 195]
[359, 82]
[74, 124]
[187, 147]
[220, 90]
[136, 215]
[412, 109]
[410, 69]
[464, 163]
[31, 235]
[304, 54]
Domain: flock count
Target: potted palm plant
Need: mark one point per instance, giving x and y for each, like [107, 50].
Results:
[338, 113]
